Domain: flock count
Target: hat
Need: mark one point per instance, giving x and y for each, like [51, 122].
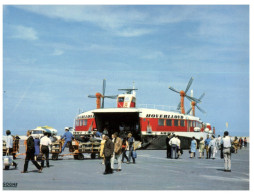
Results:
[66, 128]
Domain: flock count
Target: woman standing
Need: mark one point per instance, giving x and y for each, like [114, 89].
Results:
[201, 147]
[102, 148]
[193, 147]
[236, 144]
[36, 147]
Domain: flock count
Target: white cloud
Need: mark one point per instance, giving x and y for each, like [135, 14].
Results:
[57, 52]
[23, 32]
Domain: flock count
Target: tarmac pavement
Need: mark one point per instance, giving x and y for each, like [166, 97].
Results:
[152, 171]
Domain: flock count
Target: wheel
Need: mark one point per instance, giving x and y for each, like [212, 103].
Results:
[93, 155]
[54, 156]
[6, 167]
[81, 157]
[75, 157]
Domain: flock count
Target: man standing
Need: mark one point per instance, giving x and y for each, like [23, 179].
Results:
[117, 151]
[9, 146]
[68, 138]
[208, 150]
[30, 153]
[130, 145]
[108, 152]
[168, 146]
[44, 148]
[226, 141]
[174, 142]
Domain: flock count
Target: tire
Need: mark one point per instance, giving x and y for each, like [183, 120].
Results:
[81, 157]
[93, 155]
[6, 167]
[55, 157]
[75, 157]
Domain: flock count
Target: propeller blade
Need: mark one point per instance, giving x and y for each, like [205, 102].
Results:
[201, 109]
[188, 112]
[189, 84]
[91, 96]
[193, 99]
[179, 105]
[173, 89]
[111, 96]
[201, 96]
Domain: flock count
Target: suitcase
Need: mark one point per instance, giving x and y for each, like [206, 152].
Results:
[7, 161]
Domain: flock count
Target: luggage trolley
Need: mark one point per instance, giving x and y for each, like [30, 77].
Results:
[56, 149]
[78, 148]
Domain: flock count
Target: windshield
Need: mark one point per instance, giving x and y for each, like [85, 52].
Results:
[37, 132]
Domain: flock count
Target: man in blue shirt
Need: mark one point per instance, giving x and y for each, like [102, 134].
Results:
[208, 149]
[68, 138]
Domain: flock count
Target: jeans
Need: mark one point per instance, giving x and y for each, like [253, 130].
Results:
[124, 155]
[174, 151]
[130, 155]
[66, 141]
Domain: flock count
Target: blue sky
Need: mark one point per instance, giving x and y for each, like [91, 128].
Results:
[54, 56]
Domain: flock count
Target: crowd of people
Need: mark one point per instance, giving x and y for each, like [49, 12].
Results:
[116, 149]
[119, 149]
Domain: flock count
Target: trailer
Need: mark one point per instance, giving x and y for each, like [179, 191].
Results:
[78, 148]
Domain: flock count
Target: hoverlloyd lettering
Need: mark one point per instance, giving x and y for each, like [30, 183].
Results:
[164, 116]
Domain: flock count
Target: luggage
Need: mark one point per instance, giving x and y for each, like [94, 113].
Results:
[8, 160]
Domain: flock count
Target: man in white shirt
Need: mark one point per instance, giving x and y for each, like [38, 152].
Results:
[174, 142]
[9, 146]
[226, 141]
[44, 148]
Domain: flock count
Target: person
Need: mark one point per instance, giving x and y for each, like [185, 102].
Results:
[208, 150]
[193, 147]
[178, 150]
[212, 147]
[124, 149]
[102, 148]
[108, 152]
[201, 147]
[68, 138]
[240, 143]
[226, 141]
[235, 144]
[30, 153]
[97, 133]
[36, 147]
[9, 146]
[173, 143]
[245, 142]
[168, 154]
[44, 148]
[105, 131]
[117, 151]
[130, 147]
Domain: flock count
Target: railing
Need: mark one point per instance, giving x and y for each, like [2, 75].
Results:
[161, 107]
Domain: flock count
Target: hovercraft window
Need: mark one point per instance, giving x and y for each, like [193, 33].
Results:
[182, 123]
[121, 99]
[169, 122]
[161, 122]
[176, 123]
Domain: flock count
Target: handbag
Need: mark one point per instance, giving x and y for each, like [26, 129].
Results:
[232, 149]
[134, 154]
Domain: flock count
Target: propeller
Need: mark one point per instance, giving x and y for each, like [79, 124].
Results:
[99, 95]
[184, 94]
[194, 103]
